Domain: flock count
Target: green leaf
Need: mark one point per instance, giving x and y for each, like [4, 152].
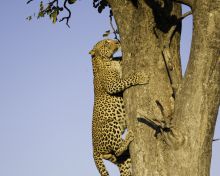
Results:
[71, 1]
[53, 16]
[41, 14]
[48, 10]
[106, 34]
[29, 18]
[41, 6]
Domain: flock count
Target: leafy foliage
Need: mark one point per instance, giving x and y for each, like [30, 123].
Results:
[53, 9]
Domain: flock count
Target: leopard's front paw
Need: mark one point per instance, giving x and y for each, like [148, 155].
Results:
[130, 136]
[142, 78]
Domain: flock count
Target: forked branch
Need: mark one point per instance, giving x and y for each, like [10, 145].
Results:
[69, 14]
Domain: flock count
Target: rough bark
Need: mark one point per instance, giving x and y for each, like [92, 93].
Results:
[198, 99]
[144, 27]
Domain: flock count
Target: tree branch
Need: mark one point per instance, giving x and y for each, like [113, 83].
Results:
[69, 14]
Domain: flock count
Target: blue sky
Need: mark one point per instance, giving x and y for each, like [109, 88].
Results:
[46, 91]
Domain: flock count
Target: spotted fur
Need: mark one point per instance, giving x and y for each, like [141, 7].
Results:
[109, 121]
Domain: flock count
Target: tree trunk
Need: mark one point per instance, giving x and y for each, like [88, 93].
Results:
[198, 99]
[148, 38]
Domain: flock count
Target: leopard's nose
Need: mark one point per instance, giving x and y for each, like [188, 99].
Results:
[118, 43]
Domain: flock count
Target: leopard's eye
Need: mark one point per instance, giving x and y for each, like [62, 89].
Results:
[107, 43]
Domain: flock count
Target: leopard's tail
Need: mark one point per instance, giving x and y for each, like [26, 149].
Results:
[100, 165]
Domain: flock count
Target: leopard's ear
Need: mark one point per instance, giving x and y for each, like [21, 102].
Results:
[92, 53]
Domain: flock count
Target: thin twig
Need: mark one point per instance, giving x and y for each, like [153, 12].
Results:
[185, 15]
[52, 2]
[173, 28]
[67, 17]
[29, 1]
[215, 140]
[114, 31]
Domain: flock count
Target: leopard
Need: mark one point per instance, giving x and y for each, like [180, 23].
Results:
[109, 123]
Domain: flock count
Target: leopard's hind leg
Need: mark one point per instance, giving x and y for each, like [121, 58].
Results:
[125, 167]
[124, 143]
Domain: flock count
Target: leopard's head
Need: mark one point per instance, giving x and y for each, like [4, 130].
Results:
[105, 48]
